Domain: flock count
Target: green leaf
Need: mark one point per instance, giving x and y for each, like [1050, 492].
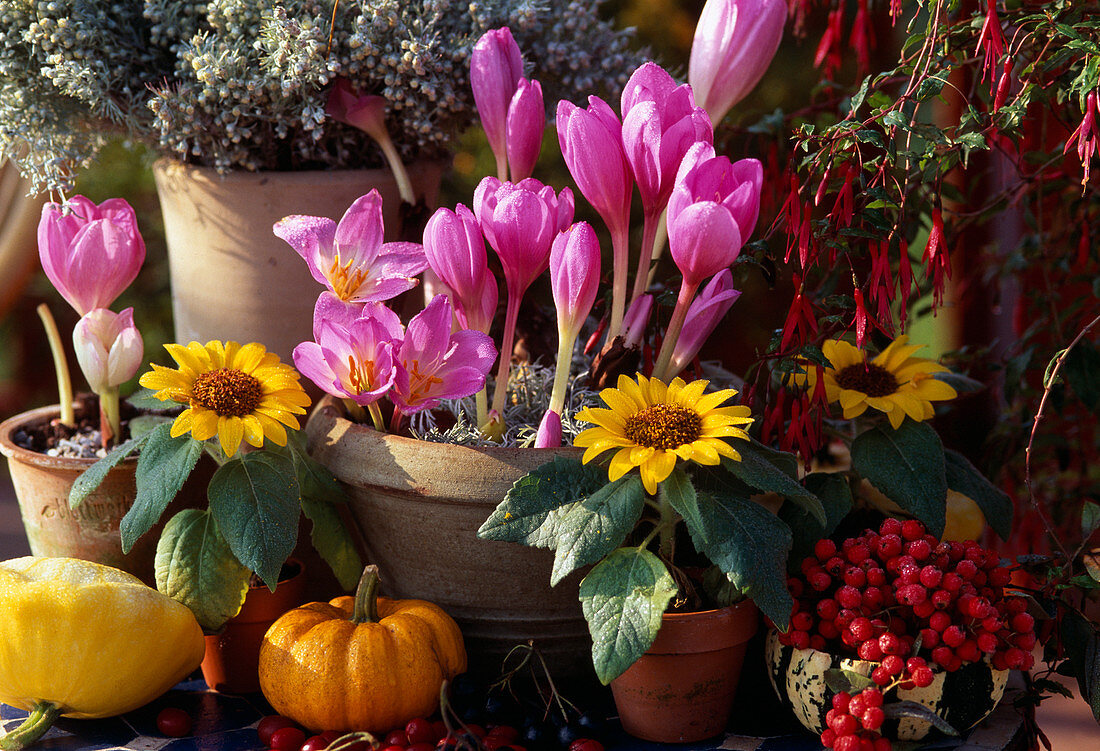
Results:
[588, 529]
[523, 513]
[623, 598]
[195, 566]
[255, 500]
[846, 681]
[908, 466]
[836, 497]
[680, 494]
[314, 478]
[143, 398]
[750, 544]
[144, 424]
[895, 710]
[331, 539]
[93, 476]
[963, 477]
[162, 469]
[1082, 369]
[1090, 519]
[773, 471]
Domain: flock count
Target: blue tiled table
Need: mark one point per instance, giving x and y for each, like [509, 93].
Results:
[228, 723]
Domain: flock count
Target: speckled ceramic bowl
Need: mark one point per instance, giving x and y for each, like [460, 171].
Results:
[962, 698]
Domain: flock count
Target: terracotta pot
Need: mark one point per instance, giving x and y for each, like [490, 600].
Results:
[963, 698]
[232, 659]
[682, 689]
[418, 506]
[90, 532]
[231, 278]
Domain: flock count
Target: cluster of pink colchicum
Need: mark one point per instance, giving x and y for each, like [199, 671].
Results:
[660, 140]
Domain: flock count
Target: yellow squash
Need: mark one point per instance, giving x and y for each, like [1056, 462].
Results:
[362, 663]
[83, 640]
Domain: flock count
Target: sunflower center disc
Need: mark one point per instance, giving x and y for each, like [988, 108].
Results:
[869, 379]
[664, 426]
[227, 391]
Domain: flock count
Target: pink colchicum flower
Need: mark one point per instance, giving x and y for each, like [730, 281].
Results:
[636, 319]
[591, 141]
[706, 310]
[735, 41]
[496, 66]
[351, 362]
[549, 434]
[525, 124]
[455, 250]
[434, 364]
[108, 347]
[660, 123]
[90, 253]
[574, 281]
[350, 259]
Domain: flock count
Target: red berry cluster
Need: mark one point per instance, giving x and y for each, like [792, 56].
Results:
[854, 721]
[881, 592]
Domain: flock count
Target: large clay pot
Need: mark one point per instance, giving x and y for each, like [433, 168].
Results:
[418, 506]
[231, 277]
[231, 663]
[90, 532]
[682, 689]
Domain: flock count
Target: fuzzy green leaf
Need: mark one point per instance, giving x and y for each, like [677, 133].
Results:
[772, 471]
[1090, 519]
[680, 494]
[963, 477]
[314, 479]
[846, 681]
[331, 539]
[908, 466]
[895, 710]
[588, 529]
[162, 469]
[195, 566]
[623, 598]
[255, 500]
[836, 497]
[93, 476]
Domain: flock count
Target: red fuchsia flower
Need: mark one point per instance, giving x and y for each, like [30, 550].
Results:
[574, 280]
[525, 124]
[434, 364]
[703, 316]
[828, 56]
[455, 250]
[549, 435]
[991, 45]
[108, 347]
[735, 41]
[937, 265]
[90, 253]
[352, 362]
[1086, 136]
[591, 141]
[496, 66]
[660, 124]
[350, 258]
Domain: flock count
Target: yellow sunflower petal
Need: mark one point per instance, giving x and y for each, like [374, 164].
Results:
[897, 417]
[849, 398]
[933, 390]
[230, 434]
[656, 470]
[620, 464]
[712, 400]
[639, 454]
[841, 354]
[273, 430]
[590, 436]
[618, 402]
[705, 453]
[204, 424]
[691, 394]
[248, 357]
[855, 410]
[253, 430]
[190, 361]
[658, 392]
[182, 424]
[605, 418]
[632, 391]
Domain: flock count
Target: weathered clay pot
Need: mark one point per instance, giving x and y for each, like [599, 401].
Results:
[418, 506]
[90, 532]
[231, 663]
[963, 698]
[682, 689]
[232, 279]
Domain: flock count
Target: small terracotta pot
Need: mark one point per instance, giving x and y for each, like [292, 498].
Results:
[682, 689]
[232, 659]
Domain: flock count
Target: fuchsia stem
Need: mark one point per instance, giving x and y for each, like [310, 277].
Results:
[645, 255]
[500, 389]
[620, 251]
[683, 302]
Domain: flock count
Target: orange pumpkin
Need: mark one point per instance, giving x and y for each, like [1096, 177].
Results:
[360, 663]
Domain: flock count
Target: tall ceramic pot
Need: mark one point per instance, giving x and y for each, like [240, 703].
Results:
[231, 278]
[418, 506]
[682, 689]
[90, 532]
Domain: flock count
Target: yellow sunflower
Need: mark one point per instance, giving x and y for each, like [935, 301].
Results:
[236, 393]
[652, 425]
[894, 382]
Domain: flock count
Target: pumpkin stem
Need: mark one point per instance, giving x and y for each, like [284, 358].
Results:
[43, 715]
[366, 596]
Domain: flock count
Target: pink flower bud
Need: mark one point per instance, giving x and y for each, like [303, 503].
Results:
[635, 320]
[365, 112]
[735, 41]
[574, 275]
[526, 121]
[591, 141]
[456, 252]
[108, 347]
[706, 310]
[495, 69]
[90, 253]
[549, 435]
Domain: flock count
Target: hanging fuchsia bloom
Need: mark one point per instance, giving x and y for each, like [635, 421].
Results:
[525, 124]
[434, 364]
[574, 275]
[354, 361]
[707, 309]
[735, 41]
[496, 66]
[937, 265]
[350, 258]
[455, 250]
[1086, 136]
[90, 253]
[712, 211]
[108, 347]
[660, 123]
[991, 45]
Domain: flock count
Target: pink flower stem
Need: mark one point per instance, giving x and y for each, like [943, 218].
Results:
[502, 167]
[620, 252]
[395, 420]
[500, 389]
[683, 302]
[645, 255]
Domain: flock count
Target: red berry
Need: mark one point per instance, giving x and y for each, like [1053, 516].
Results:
[890, 527]
[1025, 642]
[943, 656]
[420, 730]
[320, 743]
[881, 676]
[930, 638]
[173, 722]
[827, 609]
[911, 529]
[817, 641]
[924, 609]
[268, 725]
[889, 546]
[835, 565]
[870, 651]
[858, 705]
[845, 724]
[824, 549]
[931, 576]
[893, 664]
[923, 677]
[846, 743]
[987, 642]
[585, 744]
[882, 744]
[912, 594]
[953, 636]
[876, 577]
[800, 639]
[889, 643]
[841, 700]
[849, 597]
[396, 738]
[941, 599]
[1000, 576]
[439, 729]
[873, 598]
[968, 651]
[966, 568]
[861, 628]
[952, 582]
[939, 621]
[828, 737]
[820, 581]
[1022, 623]
[802, 621]
[857, 554]
[919, 549]
[872, 718]
[855, 577]
[287, 739]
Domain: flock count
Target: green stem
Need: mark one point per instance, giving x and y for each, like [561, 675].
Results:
[482, 399]
[355, 410]
[500, 388]
[43, 715]
[376, 417]
[566, 339]
[666, 527]
[60, 366]
[110, 413]
[675, 325]
[366, 596]
[645, 255]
